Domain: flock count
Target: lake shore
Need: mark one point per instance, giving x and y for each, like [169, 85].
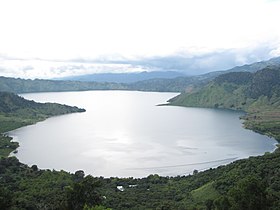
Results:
[182, 150]
[149, 192]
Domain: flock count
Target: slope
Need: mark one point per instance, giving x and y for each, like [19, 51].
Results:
[124, 77]
[16, 112]
[258, 94]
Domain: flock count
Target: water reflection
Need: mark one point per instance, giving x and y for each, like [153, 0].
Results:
[124, 133]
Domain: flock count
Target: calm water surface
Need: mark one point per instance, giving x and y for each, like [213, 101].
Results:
[124, 133]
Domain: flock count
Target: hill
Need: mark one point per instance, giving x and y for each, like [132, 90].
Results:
[177, 84]
[16, 112]
[192, 83]
[257, 93]
[124, 77]
[254, 67]
[154, 81]
[251, 184]
[39, 85]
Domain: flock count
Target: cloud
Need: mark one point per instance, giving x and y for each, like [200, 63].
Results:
[190, 63]
[171, 35]
[27, 68]
[199, 62]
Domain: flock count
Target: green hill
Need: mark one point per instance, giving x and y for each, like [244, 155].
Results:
[258, 94]
[39, 85]
[245, 184]
[16, 112]
[249, 184]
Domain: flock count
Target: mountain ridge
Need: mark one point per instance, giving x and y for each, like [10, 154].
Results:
[178, 84]
[124, 77]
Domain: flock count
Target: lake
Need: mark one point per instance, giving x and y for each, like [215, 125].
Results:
[124, 133]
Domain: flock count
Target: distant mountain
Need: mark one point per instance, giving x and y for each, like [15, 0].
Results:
[125, 77]
[38, 85]
[192, 83]
[253, 67]
[256, 93]
[256, 66]
[177, 84]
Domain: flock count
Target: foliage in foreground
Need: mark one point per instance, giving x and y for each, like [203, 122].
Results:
[252, 183]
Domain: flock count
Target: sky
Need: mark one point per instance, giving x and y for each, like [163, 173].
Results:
[49, 39]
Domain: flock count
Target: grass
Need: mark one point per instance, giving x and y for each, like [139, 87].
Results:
[8, 123]
[264, 121]
[6, 145]
[205, 192]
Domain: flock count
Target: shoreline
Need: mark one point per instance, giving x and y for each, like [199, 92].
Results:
[200, 170]
[248, 118]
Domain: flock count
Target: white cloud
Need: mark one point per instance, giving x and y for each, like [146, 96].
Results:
[51, 69]
[187, 63]
[68, 29]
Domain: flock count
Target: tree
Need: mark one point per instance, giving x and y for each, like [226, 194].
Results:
[249, 194]
[209, 204]
[222, 203]
[84, 193]
[5, 198]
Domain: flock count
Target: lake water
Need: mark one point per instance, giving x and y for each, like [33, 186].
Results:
[124, 133]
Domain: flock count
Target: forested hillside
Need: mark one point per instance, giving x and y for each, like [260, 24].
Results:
[125, 77]
[256, 93]
[38, 85]
[169, 85]
[16, 112]
[249, 184]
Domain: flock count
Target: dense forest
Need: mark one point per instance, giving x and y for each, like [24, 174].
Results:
[251, 184]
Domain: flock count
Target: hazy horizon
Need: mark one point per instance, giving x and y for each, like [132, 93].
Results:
[66, 38]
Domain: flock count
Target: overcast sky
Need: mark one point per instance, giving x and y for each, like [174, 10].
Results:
[45, 39]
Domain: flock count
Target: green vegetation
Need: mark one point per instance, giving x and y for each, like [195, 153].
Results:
[6, 145]
[161, 85]
[16, 112]
[23, 187]
[38, 85]
[249, 184]
[258, 94]
[204, 193]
